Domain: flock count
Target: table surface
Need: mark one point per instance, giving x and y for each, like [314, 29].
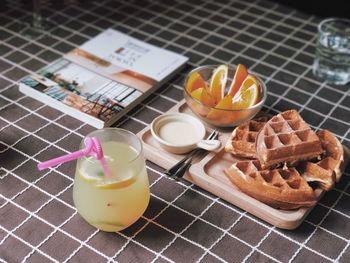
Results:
[38, 222]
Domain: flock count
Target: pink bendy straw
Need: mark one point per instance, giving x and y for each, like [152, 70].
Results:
[92, 147]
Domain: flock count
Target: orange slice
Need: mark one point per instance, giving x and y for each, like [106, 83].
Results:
[240, 74]
[203, 96]
[219, 115]
[248, 94]
[248, 82]
[195, 81]
[225, 103]
[218, 83]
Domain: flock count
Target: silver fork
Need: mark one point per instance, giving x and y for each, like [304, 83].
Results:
[178, 170]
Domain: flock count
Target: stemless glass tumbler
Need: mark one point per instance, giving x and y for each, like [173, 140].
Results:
[112, 203]
[332, 59]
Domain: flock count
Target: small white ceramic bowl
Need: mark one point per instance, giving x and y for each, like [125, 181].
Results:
[182, 147]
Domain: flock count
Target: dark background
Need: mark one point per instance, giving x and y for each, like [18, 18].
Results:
[337, 8]
[322, 8]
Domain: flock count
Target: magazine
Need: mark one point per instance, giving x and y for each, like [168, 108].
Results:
[104, 78]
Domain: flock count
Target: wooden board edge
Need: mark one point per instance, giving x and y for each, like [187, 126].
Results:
[279, 218]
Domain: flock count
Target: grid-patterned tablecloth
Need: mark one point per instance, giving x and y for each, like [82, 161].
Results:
[38, 222]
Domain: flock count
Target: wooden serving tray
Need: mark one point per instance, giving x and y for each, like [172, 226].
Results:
[207, 172]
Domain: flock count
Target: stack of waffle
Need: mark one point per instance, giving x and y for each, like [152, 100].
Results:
[283, 161]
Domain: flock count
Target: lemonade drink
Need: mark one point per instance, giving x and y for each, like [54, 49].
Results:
[112, 203]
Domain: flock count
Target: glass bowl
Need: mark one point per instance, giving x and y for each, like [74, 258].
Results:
[222, 118]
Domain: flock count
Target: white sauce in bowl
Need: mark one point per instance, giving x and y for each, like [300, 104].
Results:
[179, 133]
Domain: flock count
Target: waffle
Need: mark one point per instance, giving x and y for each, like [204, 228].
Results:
[289, 187]
[279, 188]
[329, 169]
[287, 138]
[242, 140]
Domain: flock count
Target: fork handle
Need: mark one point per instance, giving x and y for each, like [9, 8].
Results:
[177, 166]
[182, 170]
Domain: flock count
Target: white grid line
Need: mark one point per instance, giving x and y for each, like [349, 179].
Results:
[248, 216]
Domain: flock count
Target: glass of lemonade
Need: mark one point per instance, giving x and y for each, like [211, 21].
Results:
[112, 203]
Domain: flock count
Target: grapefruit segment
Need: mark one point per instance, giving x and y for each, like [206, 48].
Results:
[225, 103]
[218, 83]
[195, 81]
[247, 98]
[196, 94]
[203, 96]
[240, 74]
[217, 114]
[247, 83]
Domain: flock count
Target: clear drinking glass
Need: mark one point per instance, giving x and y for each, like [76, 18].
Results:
[112, 203]
[332, 59]
[38, 26]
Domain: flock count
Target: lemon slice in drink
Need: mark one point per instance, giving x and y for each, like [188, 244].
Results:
[101, 183]
[94, 177]
[116, 184]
